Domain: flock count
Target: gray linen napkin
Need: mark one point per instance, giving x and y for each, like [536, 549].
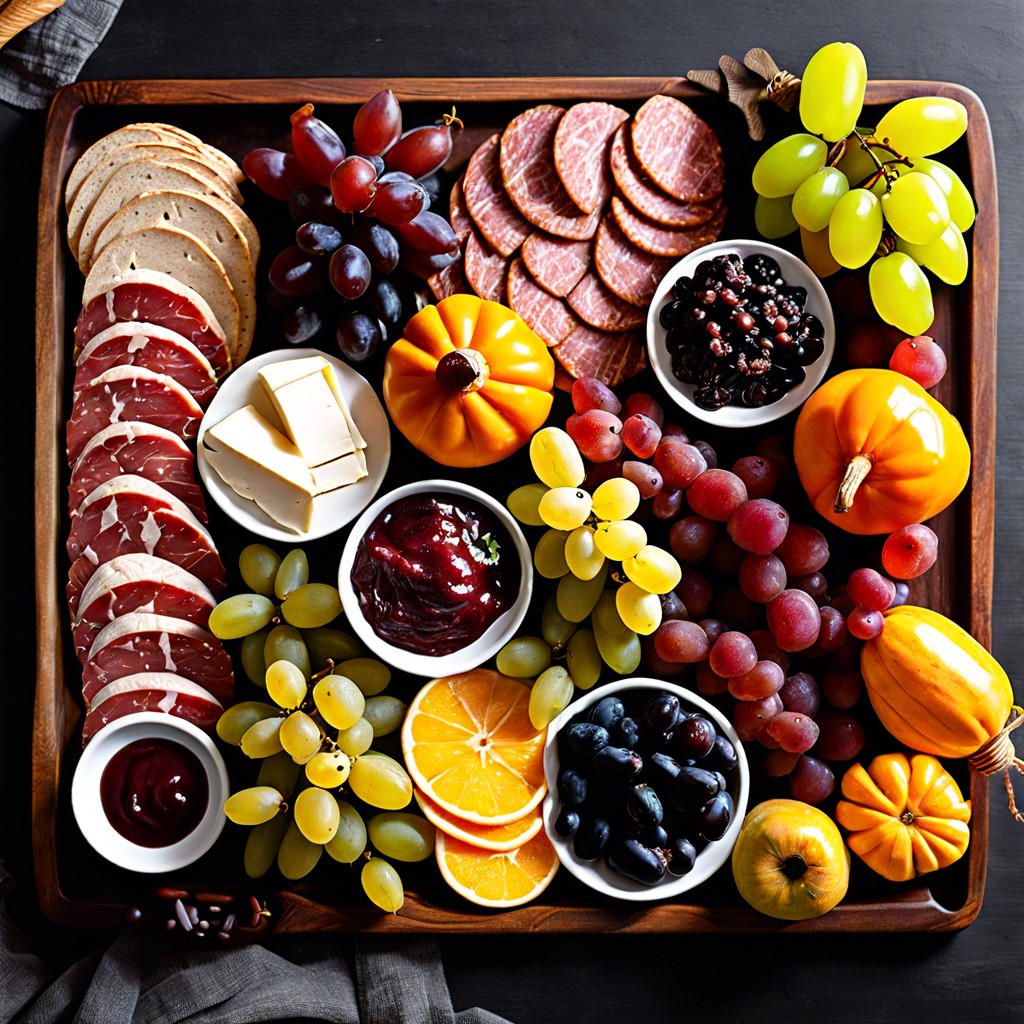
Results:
[49, 54]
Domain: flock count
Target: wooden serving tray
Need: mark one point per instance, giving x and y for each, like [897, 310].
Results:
[76, 887]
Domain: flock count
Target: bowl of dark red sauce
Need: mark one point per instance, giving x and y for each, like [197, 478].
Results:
[149, 791]
[435, 577]
[740, 333]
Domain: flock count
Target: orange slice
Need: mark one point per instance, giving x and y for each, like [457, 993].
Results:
[470, 746]
[497, 879]
[497, 838]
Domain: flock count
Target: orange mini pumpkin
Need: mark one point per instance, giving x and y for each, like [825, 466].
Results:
[469, 382]
[904, 817]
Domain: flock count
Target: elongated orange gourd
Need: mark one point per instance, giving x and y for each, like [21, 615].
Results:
[876, 452]
[905, 817]
[469, 382]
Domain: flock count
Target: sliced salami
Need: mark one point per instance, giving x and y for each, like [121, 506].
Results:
[152, 691]
[450, 281]
[547, 316]
[598, 306]
[138, 583]
[139, 448]
[531, 181]
[611, 358]
[581, 152]
[644, 196]
[500, 223]
[628, 271]
[677, 150]
[130, 393]
[151, 346]
[556, 264]
[485, 269]
[144, 642]
[458, 215]
[149, 296]
[659, 240]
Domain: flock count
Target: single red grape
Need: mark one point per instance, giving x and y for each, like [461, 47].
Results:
[779, 763]
[353, 184]
[350, 272]
[695, 591]
[794, 619]
[692, 538]
[317, 145]
[865, 625]
[646, 405]
[803, 551]
[589, 393]
[666, 503]
[921, 359]
[759, 525]
[294, 272]
[274, 172]
[757, 474]
[421, 151]
[377, 125]
[678, 462]
[910, 551]
[841, 736]
[646, 477]
[640, 434]
[811, 781]
[842, 687]
[762, 577]
[800, 693]
[833, 630]
[398, 202]
[733, 655]
[430, 233]
[716, 494]
[597, 434]
[681, 641]
[793, 731]
[764, 679]
[815, 586]
[870, 590]
[709, 684]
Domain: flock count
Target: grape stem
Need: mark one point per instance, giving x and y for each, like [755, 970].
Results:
[883, 169]
[451, 120]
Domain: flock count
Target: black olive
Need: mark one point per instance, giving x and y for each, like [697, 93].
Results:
[638, 862]
[591, 838]
[617, 764]
[644, 805]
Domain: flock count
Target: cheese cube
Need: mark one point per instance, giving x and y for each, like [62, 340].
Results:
[340, 472]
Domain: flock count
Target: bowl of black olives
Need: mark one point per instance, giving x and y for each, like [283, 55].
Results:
[740, 333]
[647, 787]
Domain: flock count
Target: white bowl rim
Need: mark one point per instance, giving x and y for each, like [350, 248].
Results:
[88, 809]
[797, 274]
[596, 874]
[494, 637]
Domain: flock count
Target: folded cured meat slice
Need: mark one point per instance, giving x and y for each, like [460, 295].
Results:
[152, 691]
[152, 346]
[531, 181]
[485, 269]
[144, 642]
[152, 297]
[581, 152]
[130, 393]
[661, 241]
[450, 281]
[487, 202]
[143, 449]
[611, 358]
[556, 264]
[458, 214]
[138, 582]
[628, 271]
[549, 318]
[600, 307]
[644, 196]
[677, 150]
[132, 514]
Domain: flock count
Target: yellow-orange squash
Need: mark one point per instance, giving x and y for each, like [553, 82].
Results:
[904, 817]
[469, 382]
[876, 452]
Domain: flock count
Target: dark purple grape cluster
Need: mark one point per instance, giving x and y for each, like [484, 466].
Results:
[739, 333]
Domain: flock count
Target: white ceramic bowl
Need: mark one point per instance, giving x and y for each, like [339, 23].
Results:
[330, 511]
[796, 273]
[596, 873]
[497, 634]
[88, 808]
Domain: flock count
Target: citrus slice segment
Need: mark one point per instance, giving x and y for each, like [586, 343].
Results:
[470, 746]
[493, 879]
[497, 838]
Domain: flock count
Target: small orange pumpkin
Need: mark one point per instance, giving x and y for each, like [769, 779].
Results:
[904, 817]
[876, 452]
[469, 382]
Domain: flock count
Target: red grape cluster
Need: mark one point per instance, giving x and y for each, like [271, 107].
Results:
[359, 216]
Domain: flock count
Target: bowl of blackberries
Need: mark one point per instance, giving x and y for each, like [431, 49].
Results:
[647, 789]
[740, 333]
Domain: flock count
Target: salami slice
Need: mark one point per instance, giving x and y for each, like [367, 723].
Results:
[142, 449]
[596, 305]
[489, 206]
[611, 358]
[138, 583]
[151, 346]
[556, 264]
[629, 272]
[644, 196]
[549, 318]
[677, 150]
[125, 393]
[450, 281]
[458, 215]
[662, 241]
[485, 269]
[531, 181]
[152, 297]
[144, 642]
[581, 152]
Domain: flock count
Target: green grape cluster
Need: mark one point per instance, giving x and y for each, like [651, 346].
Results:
[861, 195]
[314, 735]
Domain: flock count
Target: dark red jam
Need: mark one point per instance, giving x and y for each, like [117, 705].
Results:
[432, 574]
[154, 792]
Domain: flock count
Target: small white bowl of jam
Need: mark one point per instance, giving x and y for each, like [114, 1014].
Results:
[435, 577]
[148, 793]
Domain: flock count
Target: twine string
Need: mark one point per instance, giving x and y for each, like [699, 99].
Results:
[998, 755]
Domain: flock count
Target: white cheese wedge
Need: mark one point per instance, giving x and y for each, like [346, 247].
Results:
[340, 472]
[257, 461]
